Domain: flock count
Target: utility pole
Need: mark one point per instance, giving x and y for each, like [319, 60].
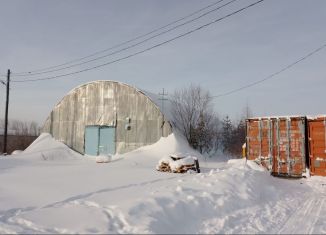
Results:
[6, 114]
[163, 94]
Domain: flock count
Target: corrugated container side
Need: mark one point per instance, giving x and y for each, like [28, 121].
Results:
[258, 139]
[279, 144]
[289, 146]
[317, 145]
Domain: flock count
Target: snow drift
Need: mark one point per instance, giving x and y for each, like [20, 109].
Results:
[48, 149]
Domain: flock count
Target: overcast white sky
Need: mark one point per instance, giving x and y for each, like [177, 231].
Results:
[236, 51]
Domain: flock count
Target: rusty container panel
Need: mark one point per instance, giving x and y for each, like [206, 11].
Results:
[289, 146]
[279, 143]
[317, 145]
[259, 145]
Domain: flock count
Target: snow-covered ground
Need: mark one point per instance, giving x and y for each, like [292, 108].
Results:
[50, 189]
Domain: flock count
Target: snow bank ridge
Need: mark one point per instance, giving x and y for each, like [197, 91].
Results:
[48, 149]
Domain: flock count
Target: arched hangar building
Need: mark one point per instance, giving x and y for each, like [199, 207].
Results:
[107, 117]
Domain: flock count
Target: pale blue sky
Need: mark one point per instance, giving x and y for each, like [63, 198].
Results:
[239, 50]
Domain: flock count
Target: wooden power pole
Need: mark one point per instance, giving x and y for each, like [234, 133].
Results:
[6, 114]
[163, 99]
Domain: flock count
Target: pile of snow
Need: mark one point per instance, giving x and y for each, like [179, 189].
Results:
[166, 146]
[103, 158]
[250, 164]
[48, 149]
[16, 152]
[253, 165]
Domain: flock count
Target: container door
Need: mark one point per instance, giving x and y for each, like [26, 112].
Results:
[281, 155]
[253, 141]
[317, 147]
[107, 140]
[297, 160]
[266, 143]
[289, 147]
[259, 141]
[91, 140]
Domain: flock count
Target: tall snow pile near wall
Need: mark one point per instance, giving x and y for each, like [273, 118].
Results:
[48, 149]
[173, 144]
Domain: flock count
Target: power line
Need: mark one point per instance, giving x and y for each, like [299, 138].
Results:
[120, 44]
[272, 75]
[145, 50]
[131, 46]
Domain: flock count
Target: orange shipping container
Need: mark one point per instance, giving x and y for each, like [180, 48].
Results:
[317, 145]
[279, 143]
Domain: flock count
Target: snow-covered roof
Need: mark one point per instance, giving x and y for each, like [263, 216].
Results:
[277, 117]
[316, 116]
[289, 117]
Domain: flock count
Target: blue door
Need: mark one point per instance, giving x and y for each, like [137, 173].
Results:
[99, 140]
[91, 140]
[107, 140]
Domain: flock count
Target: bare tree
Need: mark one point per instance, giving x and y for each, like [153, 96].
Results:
[194, 117]
[34, 129]
[22, 128]
[21, 134]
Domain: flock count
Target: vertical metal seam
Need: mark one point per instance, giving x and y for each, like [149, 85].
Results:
[269, 138]
[98, 141]
[270, 143]
[278, 144]
[303, 141]
[325, 134]
[288, 128]
[260, 137]
[247, 144]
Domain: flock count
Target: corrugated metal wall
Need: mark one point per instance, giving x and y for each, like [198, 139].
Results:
[279, 143]
[317, 145]
[107, 103]
[282, 144]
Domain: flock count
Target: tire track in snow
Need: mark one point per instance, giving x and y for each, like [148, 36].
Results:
[105, 190]
[13, 218]
[318, 216]
[300, 220]
[116, 222]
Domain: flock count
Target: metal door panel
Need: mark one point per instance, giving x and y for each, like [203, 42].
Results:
[107, 140]
[91, 140]
[317, 146]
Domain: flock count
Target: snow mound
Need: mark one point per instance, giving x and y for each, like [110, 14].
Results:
[16, 152]
[170, 145]
[103, 158]
[48, 149]
[236, 161]
[253, 165]
[249, 164]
